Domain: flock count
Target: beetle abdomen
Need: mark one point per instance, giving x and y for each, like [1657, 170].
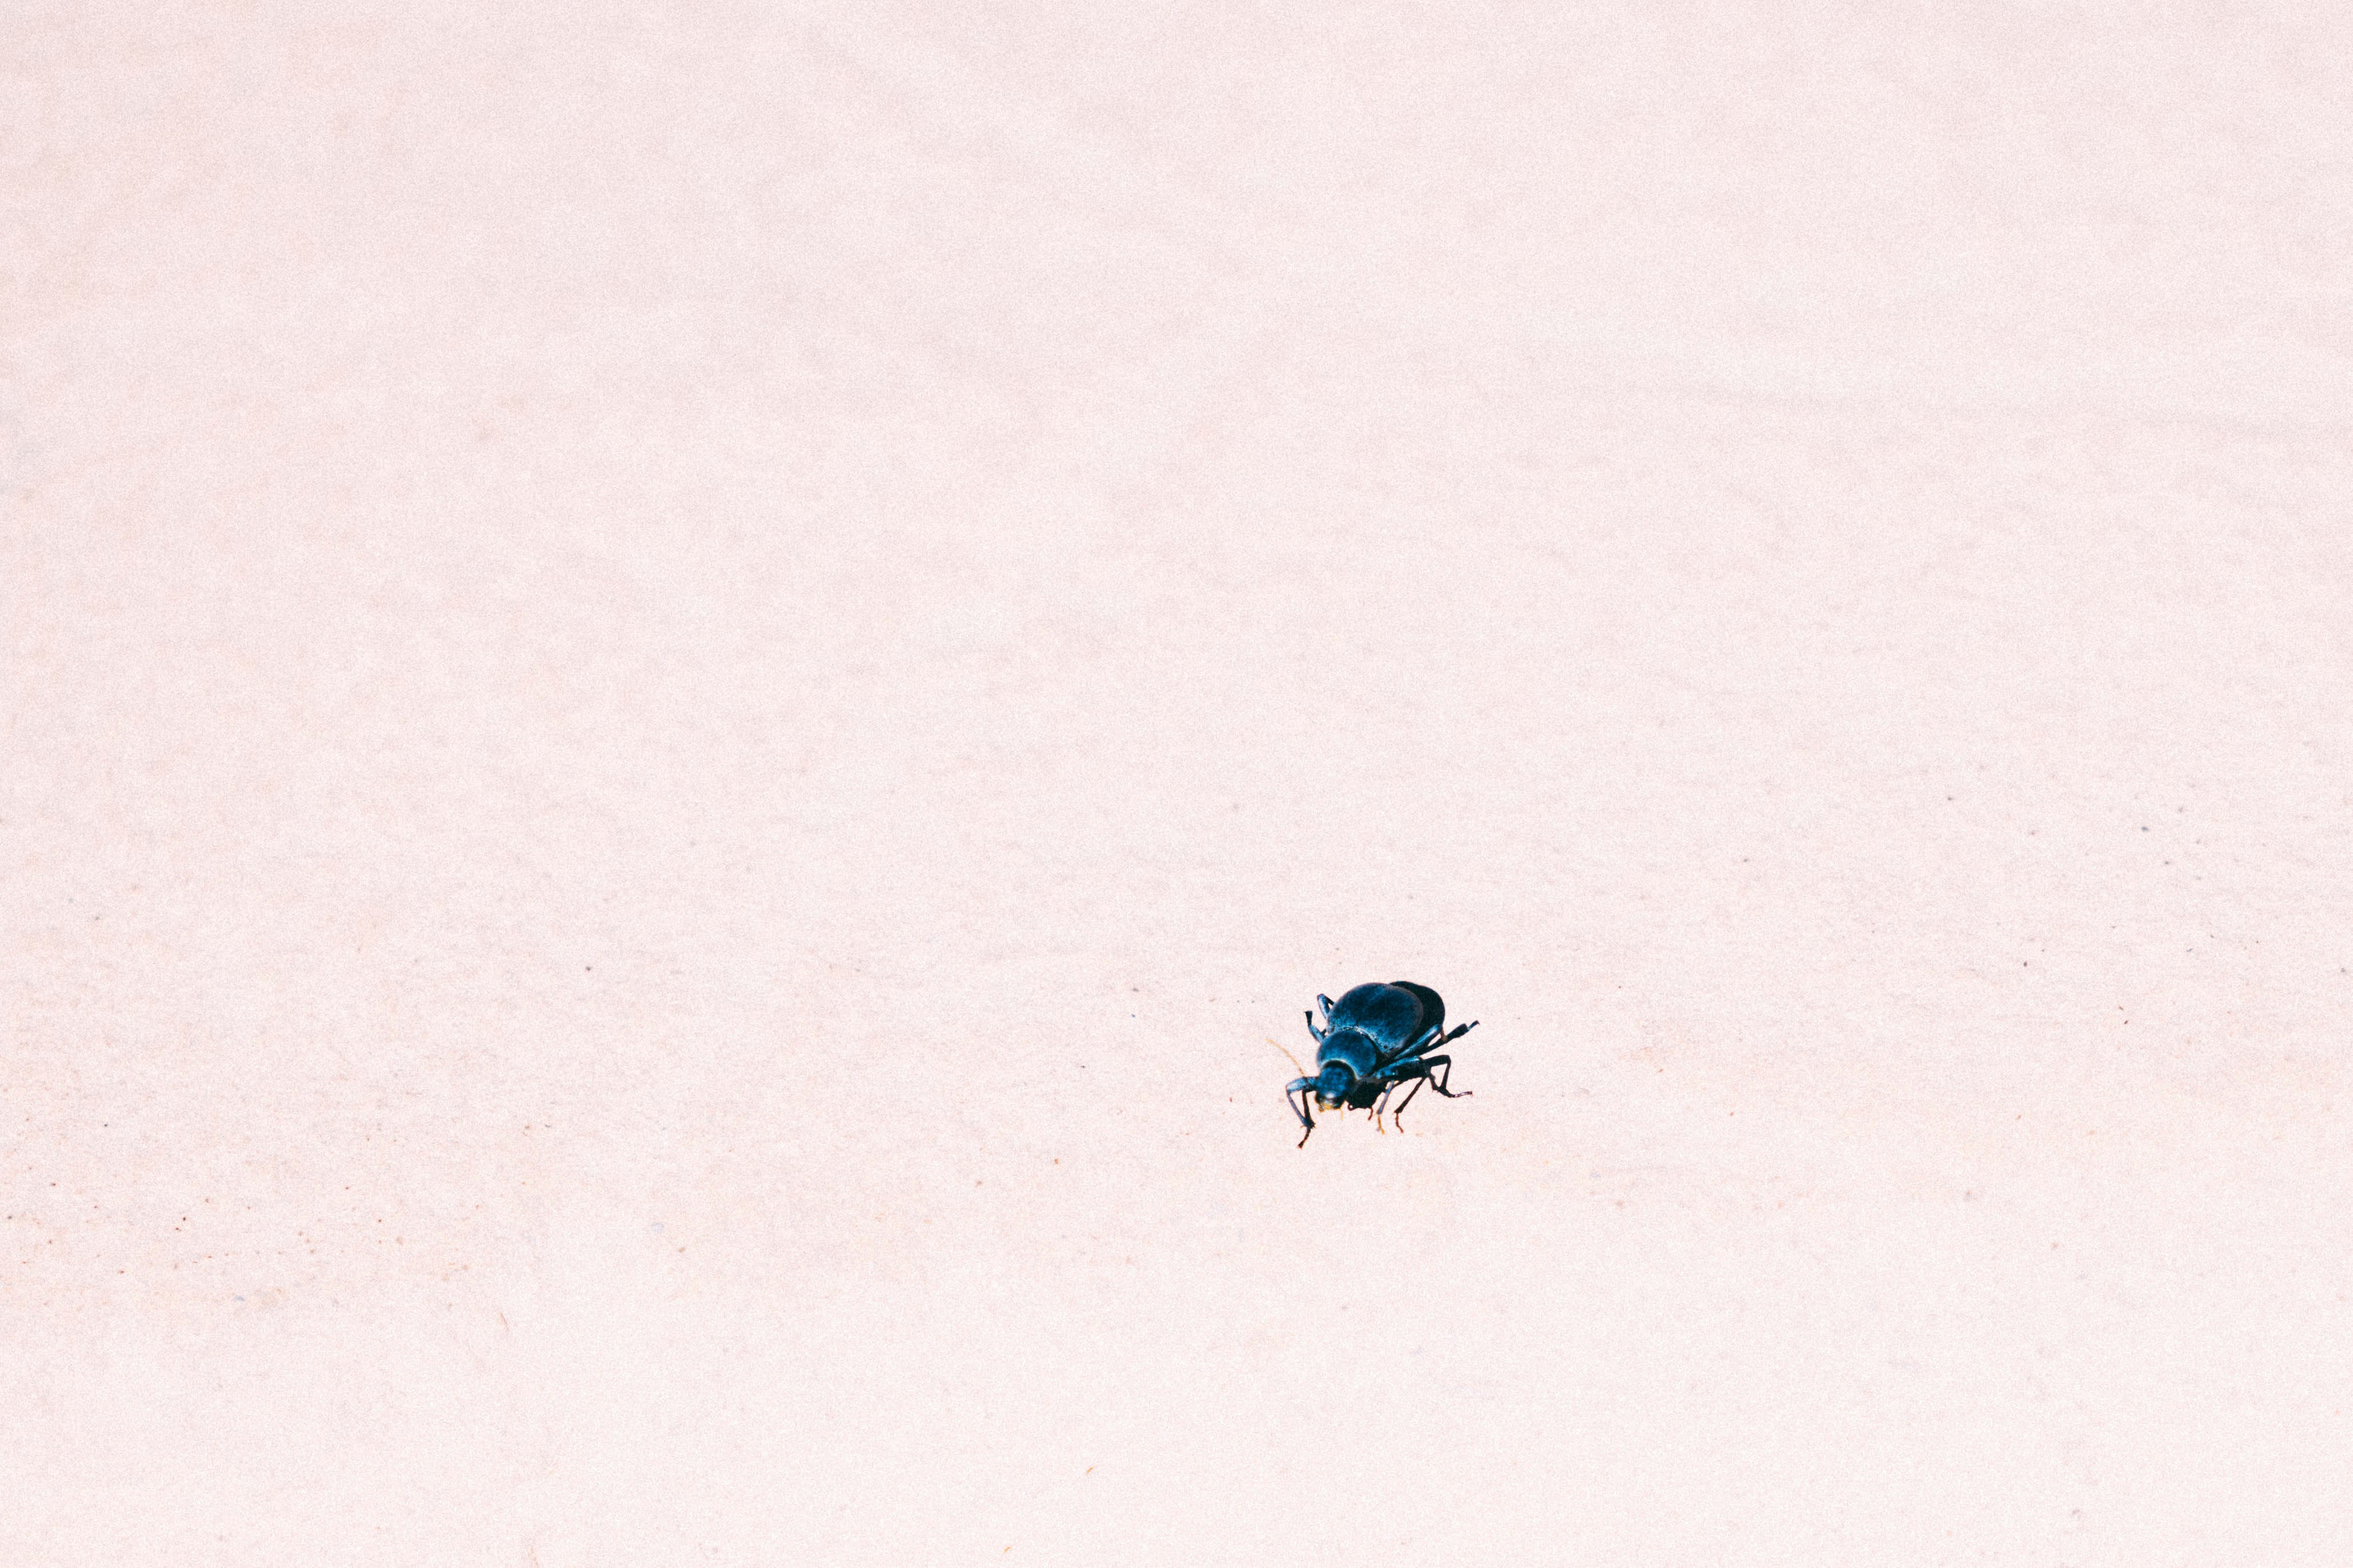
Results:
[1433, 1005]
[1390, 1015]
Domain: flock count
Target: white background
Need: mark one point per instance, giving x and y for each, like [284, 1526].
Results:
[685, 688]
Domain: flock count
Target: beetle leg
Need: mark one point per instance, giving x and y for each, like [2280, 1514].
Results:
[1313, 1030]
[1442, 1080]
[1299, 1108]
[1327, 1003]
[1423, 1073]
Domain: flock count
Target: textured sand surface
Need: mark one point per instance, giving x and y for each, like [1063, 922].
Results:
[685, 687]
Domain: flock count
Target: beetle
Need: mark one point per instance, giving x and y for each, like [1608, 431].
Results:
[1374, 1038]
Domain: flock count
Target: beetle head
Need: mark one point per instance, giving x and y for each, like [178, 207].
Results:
[1333, 1086]
[1347, 1058]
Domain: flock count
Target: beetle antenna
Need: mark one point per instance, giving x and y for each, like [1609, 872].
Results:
[1279, 1045]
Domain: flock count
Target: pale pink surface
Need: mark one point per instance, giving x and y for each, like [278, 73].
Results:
[685, 685]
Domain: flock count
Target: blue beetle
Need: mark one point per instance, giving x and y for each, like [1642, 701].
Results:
[1373, 1039]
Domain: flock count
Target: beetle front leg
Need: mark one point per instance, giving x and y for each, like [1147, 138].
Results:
[1299, 1108]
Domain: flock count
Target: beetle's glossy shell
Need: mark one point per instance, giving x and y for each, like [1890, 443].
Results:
[1393, 1018]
